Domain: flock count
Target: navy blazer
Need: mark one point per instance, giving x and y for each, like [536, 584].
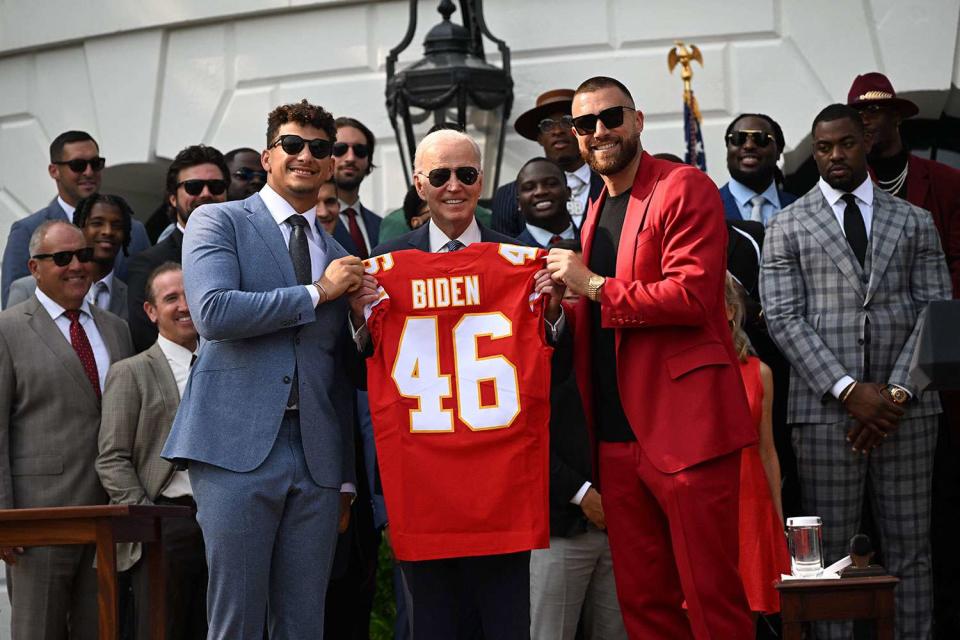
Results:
[17, 251]
[526, 238]
[370, 220]
[732, 210]
[506, 215]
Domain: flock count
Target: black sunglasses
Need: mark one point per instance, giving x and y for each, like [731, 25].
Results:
[549, 124]
[439, 177]
[63, 258]
[247, 174]
[293, 144]
[611, 117]
[359, 149]
[195, 187]
[739, 138]
[79, 165]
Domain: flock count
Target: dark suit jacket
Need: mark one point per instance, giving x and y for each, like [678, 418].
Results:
[507, 218]
[419, 238]
[370, 220]
[743, 255]
[142, 265]
[732, 211]
[526, 238]
[16, 253]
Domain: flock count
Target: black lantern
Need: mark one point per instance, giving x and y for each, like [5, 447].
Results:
[453, 83]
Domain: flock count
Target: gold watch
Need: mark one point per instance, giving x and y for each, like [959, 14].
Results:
[593, 287]
[897, 394]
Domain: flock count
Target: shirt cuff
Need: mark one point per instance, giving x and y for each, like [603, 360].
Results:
[905, 390]
[578, 496]
[314, 294]
[840, 385]
[348, 487]
[556, 328]
[360, 334]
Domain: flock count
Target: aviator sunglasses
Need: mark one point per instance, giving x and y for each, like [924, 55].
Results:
[63, 258]
[195, 187]
[739, 138]
[292, 144]
[359, 149]
[611, 117]
[439, 177]
[79, 165]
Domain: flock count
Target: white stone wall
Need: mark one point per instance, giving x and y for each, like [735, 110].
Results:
[147, 78]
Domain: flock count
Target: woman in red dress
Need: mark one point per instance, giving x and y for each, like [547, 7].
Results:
[763, 546]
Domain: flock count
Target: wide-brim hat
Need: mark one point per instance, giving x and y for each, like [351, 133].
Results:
[875, 88]
[552, 101]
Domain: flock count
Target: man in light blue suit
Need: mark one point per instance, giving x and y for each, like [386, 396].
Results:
[265, 423]
[75, 165]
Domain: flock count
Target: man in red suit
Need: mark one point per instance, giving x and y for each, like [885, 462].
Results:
[658, 376]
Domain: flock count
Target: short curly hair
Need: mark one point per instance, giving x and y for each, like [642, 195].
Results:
[85, 207]
[302, 113]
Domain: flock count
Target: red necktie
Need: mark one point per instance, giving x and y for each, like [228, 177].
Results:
[80, 343]
[555, 239]
[356, 234]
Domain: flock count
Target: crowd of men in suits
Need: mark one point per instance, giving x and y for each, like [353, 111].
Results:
[647, 416]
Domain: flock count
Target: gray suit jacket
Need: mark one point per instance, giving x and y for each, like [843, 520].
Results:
[140, 400]
[261, 327]
[17, 251]
[22, 289]
[831, 318]
[49, 413]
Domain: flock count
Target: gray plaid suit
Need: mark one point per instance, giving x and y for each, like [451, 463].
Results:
[832, 318]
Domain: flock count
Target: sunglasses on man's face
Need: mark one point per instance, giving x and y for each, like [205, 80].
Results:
[195, 187]
[64, 258]
[359, 149]
[440, 177]
[79, 165]
[247, 174]
[549, 124]
[611, 117]
[739, 138]
[292, 144]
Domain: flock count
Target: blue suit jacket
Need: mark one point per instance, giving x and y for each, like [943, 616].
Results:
[17, 251]
[732, 211]
[370, 220]
[526, 238]
[507, 218]
[260, 326]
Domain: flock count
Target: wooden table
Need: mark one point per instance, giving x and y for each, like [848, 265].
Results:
[803, 601]
[104, 526]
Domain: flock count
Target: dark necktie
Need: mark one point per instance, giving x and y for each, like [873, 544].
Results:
[299, 250]
[80, 344]
[454, 245]
[854, 228]
[554, 240]
[355, 234]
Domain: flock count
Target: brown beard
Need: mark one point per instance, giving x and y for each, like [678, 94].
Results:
[612, 166]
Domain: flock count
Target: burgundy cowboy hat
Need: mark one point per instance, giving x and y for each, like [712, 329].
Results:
[549, 102]
[875, 88]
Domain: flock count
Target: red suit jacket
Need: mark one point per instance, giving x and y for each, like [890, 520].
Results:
[935, 187]
[678, 374]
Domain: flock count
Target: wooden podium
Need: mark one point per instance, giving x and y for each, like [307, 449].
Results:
[104, 526]
[803, 601]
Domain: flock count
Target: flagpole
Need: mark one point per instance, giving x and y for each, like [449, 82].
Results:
[683, 55]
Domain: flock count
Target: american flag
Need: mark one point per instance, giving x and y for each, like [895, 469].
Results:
[695, 154]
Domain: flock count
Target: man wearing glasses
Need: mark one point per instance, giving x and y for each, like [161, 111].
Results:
[55, 351]
[198, 175]
[352, 162]
[246, 173]
[76, 166]
[266, 419]
[548, 124]
[658, 375]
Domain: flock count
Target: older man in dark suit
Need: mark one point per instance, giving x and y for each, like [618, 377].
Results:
[55, 350]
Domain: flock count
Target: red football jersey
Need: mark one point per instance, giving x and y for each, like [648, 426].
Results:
[459, 388]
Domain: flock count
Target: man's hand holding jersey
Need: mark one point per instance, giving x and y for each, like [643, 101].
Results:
[343, 275]
[567, 267]
[545, 285]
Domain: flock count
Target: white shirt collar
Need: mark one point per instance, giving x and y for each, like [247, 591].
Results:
[173, 351]
[107, 281]
[280, 209]
[438, 238]
[68, 209]
[356, 206]
[863, 193]
[542, 236]
[583, 173]
[54, 308]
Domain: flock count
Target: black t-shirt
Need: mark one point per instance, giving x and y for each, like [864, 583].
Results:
[612, 424]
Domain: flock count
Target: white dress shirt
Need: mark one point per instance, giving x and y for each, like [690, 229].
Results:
[100, 354]
[358, 210]
[68, 209]
[438, 239]
[577, 206]
[105, 285]
[542, 236]
[179, 359]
